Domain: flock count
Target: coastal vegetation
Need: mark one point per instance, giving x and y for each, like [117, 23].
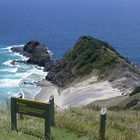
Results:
[89, 53]
[83, 59]
[74, 94]
[74, 124]
[88, 57]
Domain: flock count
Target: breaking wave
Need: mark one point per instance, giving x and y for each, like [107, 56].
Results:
[9, 70]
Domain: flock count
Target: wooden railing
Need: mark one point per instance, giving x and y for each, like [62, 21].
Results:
[33, 108]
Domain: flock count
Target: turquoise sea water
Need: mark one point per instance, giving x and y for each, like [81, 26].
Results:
[58, 24]
[12, 76]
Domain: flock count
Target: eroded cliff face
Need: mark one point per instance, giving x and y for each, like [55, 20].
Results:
[89, 55]
[124, 76]
[88, 58]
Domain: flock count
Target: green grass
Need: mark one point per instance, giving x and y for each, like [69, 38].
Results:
[86, 122]
[5, 135]
[31, 128]
[64, 134]
[90, 53]
[74, 124]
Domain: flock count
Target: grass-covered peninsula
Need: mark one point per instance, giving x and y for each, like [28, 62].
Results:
[91, 61]
[90, 75]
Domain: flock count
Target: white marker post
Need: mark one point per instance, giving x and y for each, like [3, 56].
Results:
[103, 113]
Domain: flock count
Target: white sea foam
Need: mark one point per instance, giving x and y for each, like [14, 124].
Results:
[22, 73]
[7, 63]
[31, 75]
[14, 83]
[50, 52]
[8, 48]
[9, 82]
[21, 56]
[9, 70]
[39, 71]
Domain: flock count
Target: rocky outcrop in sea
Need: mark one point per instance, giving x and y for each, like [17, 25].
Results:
[36, 52]
[88, 57]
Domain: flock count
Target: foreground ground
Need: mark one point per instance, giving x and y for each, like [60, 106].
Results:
[74, 124]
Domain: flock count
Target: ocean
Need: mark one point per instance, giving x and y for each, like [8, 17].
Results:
[58, 24]
[13, 77]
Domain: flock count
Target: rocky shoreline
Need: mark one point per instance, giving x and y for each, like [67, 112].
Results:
[89, 57]
[36, 53]
[104, 61]
[123, 75]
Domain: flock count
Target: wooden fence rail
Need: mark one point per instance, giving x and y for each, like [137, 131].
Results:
[46, 111]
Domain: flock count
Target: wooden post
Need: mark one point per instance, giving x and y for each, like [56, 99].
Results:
[20, 115]
[13, 114]
[102, 123]
[51, 100]
[48, 122]
[33, 108]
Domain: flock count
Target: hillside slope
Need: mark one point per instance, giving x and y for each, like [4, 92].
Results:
[91, 56]
[89, 71]
[74, 124]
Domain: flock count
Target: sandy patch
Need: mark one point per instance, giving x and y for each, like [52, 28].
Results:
[79, 94]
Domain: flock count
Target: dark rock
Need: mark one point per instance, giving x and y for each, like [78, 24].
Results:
[38, 53]
[31, 46]
[17, 49]
[20, 51]
[90, 54]
[49, 65]
[15, 62]
[27, 83]
[124, 76]
[60, 73]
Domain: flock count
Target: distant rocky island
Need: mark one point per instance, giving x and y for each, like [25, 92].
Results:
[87, 58]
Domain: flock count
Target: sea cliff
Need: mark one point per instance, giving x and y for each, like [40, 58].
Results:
[89, 71]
